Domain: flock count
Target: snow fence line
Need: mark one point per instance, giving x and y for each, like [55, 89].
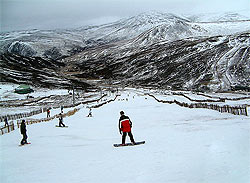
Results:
[224, 98]
[236, 110]
[11, 127]
[32, 121]
[41, 110]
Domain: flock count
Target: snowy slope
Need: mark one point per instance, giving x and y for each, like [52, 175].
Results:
[182, 146]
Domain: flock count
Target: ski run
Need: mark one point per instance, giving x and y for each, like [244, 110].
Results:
[182, 146]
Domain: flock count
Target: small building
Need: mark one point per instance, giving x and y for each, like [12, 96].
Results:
[23, 89]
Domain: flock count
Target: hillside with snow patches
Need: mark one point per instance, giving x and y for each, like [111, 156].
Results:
[146, 27]
[152, 49]
[204, 64]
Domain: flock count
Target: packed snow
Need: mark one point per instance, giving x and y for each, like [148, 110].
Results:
[182, 146]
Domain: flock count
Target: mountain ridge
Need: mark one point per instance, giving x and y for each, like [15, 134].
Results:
[61, 43]
[175, 53]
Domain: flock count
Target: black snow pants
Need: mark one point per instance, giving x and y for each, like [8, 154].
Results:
[61, 124]
[124, 134]
[24, 140]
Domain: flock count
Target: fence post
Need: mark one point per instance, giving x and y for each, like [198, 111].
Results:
[245, 109]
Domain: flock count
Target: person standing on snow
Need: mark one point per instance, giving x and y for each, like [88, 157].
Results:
[90, 113]
[125, 126]
[6, 122]
[48, 112]
[61, 120]
[23, 132]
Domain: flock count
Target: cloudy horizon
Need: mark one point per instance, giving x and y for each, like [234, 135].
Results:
[60, 14]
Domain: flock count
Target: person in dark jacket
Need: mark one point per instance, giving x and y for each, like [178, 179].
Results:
[6, 122]
[61, 120]
[90, 113]
[23, 132]
[61, 109]
[125, 126]
[48, 113]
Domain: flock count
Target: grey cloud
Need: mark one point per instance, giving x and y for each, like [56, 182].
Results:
[51, 14]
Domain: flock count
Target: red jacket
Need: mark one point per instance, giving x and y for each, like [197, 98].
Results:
[125, 124]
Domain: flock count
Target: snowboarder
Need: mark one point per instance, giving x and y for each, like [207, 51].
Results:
[23, 132]
[125, 126]
[61, 120]
[48, 112]
[6, 122]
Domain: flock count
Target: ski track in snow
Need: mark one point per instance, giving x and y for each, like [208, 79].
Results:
[182, 146]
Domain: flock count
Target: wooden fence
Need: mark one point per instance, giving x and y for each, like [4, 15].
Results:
[28, 114]
[33, 121]
[225, 98]
[69, 113]
[99, 105]
[7, 128]
[22, 115]
[195, 100]
[236, 110]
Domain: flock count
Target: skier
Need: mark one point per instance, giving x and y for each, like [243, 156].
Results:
[61, 120]
[23, 132]
[48, 112]
[125, 126]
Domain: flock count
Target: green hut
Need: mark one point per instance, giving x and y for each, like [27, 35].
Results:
[23, 89]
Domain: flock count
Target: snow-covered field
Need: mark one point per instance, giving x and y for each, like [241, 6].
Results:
[7, 92]
[182, 146]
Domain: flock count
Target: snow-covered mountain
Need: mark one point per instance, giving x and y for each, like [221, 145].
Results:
[213, 63]
[218, 17]
[144, 29]
[35, 71]
[153, 49]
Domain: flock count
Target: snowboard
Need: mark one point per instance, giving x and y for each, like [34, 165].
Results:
[129, 144]
[24, 144]
[62, 126]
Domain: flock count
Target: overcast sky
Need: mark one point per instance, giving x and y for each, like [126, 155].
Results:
[51, 14]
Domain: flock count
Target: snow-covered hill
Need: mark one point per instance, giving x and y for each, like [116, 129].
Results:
[146, 28]
[213, 63]
[219, 17]
[152, 49]
[35, 71]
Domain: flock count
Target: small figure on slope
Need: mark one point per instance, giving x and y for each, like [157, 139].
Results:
[90, 113]
[61, 120]
[23, 132]
[125, 126]
[6, 122]
[48, 112]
